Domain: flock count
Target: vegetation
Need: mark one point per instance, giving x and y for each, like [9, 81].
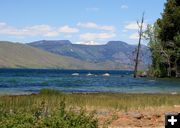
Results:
[39, 114]
[103, 100]
[53, 98]
[51, 108]
[164, 42]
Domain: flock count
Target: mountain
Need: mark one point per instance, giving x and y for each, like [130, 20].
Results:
[114, 54]
[16, 55]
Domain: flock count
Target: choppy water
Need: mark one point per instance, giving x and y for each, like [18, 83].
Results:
[19, 81]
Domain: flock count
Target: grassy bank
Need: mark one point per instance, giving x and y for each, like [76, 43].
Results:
[118, 101]
[51, 108]
[52, 99]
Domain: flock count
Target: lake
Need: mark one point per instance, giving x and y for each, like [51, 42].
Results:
[26, 81]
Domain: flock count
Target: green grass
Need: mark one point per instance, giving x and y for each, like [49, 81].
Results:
[51, 108]
[103, 100]
[47, 110]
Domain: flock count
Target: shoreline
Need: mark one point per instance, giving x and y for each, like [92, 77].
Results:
[117, 110]
[86, 93]
[147, 99]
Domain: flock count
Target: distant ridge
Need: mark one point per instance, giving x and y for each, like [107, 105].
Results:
[54, 42]
[62, 54]
[16, 55]
[113, 53]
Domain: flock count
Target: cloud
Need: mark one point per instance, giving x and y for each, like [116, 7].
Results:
[134, 26]
[35, 30]
[2, 24]
[124, 6]
[95, 36]
[88, 43]
[92, 25]
[134, 36]
[67, 29]
[94, 9]
[44, 30]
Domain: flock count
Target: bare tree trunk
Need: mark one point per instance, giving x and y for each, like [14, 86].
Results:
[168, 57]
[139, 45]
[169, 68]
[176, 67]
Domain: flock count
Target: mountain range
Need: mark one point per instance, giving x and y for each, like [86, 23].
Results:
[18, 55]
[116, 54]
[63, 54]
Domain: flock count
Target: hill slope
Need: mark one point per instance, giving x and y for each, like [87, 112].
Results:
[114, 54]
[16, 55]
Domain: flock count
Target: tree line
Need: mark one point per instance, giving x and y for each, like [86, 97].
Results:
[164, 42]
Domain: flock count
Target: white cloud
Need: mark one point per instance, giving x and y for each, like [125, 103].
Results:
[35, 30]
[94, 36]
[2, 24]
[51, 34]
[124, 6]
[134, 36]
[92, 25]
[44, 30]
[95, 9]
[67, 29]
[134, 26]
[88, 43]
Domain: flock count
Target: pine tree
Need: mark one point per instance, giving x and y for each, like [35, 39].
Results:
[166, 46]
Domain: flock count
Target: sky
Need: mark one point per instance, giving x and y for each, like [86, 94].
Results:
[90, 22]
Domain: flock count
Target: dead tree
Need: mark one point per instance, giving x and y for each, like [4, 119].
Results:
[140, 32]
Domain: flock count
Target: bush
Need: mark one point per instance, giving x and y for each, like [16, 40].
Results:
[41, 118]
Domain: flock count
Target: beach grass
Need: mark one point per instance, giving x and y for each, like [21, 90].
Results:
[52, 108]
[119, 101]
[48, 109]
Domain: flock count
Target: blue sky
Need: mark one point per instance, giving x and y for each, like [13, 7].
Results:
[80, 21]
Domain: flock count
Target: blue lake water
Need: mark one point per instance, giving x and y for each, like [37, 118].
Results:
[20, 81]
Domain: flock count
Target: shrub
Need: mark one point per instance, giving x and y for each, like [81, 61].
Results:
[41, 118]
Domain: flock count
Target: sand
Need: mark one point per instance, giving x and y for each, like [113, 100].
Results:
[140, 118]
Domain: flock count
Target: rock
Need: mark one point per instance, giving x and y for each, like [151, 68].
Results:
[106, 74]
[156, 115]
[177, 106]
[103, 113]
[137, 115]
[148, 117]
[174, 93]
